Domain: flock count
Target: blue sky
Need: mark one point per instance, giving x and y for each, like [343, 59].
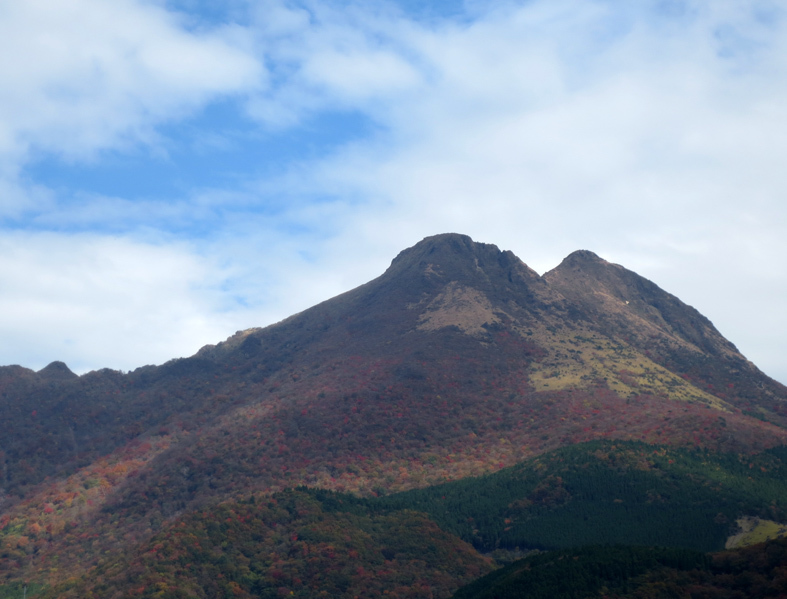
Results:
[171, 172]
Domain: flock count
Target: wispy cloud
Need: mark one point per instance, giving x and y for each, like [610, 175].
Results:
[88, 75]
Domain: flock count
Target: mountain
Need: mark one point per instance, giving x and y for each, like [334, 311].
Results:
[459, 360]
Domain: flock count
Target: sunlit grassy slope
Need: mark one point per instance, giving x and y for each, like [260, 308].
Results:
[578, 359]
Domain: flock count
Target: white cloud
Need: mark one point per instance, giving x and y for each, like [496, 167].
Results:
[98, 301]
[330, 57]
[86, 75]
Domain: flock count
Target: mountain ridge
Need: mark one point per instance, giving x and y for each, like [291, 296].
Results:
[451, 247]
[444, 286]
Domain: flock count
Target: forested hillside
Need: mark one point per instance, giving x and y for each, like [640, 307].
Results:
[614, 572]
[609, 492]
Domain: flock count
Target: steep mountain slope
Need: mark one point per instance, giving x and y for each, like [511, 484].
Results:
[458, 360]
[51, 422]
[626, 306]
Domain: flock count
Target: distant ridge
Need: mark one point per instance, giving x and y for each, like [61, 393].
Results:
[56, 371]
